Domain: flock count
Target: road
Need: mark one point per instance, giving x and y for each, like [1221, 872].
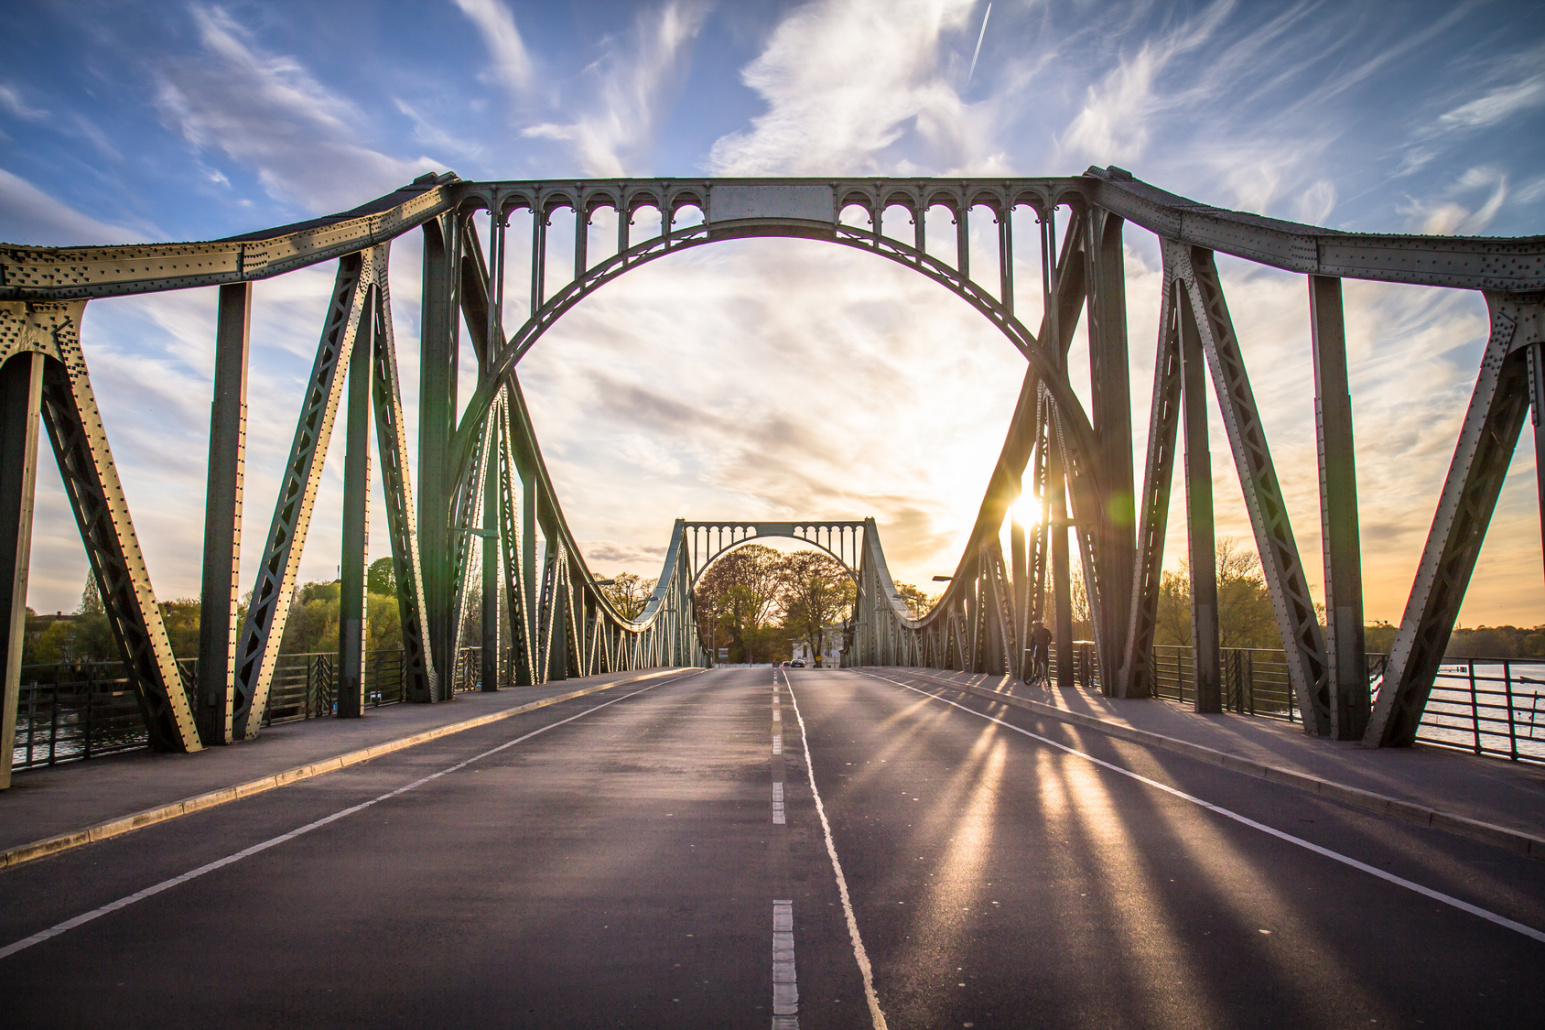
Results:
[615, 861]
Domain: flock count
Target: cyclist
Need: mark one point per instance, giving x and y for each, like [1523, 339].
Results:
[1040, 654]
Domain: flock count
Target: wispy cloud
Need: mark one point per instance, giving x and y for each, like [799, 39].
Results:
[511, 62]
[1497, 105]
[11, 102]
[1114, 123]
[28, 215]
[630, 82]
[1448, 216]
[843, 81]
[268, 113]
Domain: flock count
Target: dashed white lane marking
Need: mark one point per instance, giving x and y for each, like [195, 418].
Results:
[864, 968]
[778, 812]
[777, 742]
[1335, 856]
[221, 863]
[785, 986]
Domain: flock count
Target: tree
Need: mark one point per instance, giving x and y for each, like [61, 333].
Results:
[181, 618]
[817, 593]
[382, 577]
[1245, 614]
[918, 601]
[629, 594]
[90, 597]
[738, 594]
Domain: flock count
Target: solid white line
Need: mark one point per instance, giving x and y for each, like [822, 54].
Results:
[864, 969]
[1427, 892]
[221, 863]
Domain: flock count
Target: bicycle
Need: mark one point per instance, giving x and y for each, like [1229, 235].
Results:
[1040, 675]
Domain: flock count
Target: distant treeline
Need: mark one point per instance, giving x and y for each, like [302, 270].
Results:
[1480, 642]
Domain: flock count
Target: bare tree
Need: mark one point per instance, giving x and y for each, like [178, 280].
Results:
[629, 594]
[1245, 615]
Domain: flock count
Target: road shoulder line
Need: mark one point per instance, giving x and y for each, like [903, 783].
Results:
[199, 802]
[1406, 811]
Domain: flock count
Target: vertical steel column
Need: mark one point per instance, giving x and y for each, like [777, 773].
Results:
[1349, 701]
[1536, 360]
[1062, 588]
[1006, 257]
[1297, 621]
[490, 585]
[222, 515]
[436, 428]
[1206, 668]
[1111, 413]
[21, 398]
[1021, 591]
[489, 652]
[1056, 474]
[963, 243]
[356, 520]
[538, 256]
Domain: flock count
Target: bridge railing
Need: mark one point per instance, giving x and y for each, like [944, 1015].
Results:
[1487, 706]
[71, 711]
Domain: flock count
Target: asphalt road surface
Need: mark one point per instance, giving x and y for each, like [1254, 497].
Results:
[624, 860]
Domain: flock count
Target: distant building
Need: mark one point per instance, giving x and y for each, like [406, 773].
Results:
[832, 659]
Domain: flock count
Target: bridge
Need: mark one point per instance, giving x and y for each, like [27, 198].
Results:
[482, 529]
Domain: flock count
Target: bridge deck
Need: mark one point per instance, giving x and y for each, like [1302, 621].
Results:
[621, 865]
[1489, 791]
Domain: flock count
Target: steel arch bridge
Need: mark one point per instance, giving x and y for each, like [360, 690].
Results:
[712, 540]
[483, 485]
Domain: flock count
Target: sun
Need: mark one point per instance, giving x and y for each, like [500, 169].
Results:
[1026, 510]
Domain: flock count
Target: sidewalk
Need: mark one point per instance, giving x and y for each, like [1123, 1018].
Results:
[1485, 798]
[74, 803]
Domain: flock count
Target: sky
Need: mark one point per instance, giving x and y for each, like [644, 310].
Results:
[777, 379]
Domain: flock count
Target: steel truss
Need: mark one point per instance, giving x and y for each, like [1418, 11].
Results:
[483, 479]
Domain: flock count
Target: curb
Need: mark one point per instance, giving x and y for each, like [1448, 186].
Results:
[199, 802]
[1406, 811]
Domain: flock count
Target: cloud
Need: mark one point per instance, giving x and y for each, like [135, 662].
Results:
[846, 79]
[512, 64]
[1496, 106]
[268, 113]
[773, 379]
[11, 101]
[1449, 217]
[28, 215]
[1317, 202]
[612, 138]
[1115, 121]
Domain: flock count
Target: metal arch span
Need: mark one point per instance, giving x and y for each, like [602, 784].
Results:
[720, 538]
[484, 492]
